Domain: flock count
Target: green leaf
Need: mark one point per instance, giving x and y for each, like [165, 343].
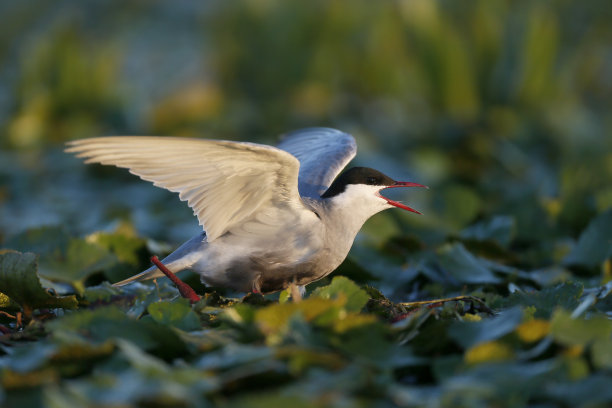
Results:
[19, 281]
[130, 250]
[140, 360]
[81, 260]
[103, 293]
[233, 355]
[284, 296]
[593, 391]
[28, 357]
[275, 317]
[7, 303]
[356, 298]
[579, 331]
[367, 339]
[499, 229]
[123, 243]
[108, 323]
[602, 353]
[546, 301]
[177, 313]
[459, 263]
[497, 384]
[66, 259]
[469, 334]
[595, 243]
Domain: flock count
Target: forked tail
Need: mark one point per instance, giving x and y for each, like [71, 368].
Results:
[150, 273]
[180, 259]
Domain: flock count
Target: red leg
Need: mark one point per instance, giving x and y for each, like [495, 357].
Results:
[184, 289]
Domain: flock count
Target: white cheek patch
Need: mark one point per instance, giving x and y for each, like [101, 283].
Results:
[361, 200]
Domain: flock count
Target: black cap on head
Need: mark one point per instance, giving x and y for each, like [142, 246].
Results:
[357, 175]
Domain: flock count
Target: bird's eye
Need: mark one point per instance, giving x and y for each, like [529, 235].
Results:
[372, 180]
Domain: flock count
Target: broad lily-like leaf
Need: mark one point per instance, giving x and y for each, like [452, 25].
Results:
[81, 260]
[499, 229]
[20, 282]
[356, 298]
[177, 313]
[459, 263]
[469, 334]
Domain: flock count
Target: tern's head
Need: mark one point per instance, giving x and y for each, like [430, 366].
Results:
[361, 186]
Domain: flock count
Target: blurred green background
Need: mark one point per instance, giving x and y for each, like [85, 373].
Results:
[504, 108]
[501, 107]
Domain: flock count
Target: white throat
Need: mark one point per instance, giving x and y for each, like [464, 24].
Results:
[352, 208]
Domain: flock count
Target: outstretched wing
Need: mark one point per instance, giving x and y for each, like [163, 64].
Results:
[223, 182]
[322, 152]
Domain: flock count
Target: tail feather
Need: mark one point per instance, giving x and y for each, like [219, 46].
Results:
[150, 273]
[180, 259]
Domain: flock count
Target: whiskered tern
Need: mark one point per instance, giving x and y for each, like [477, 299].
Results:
[272, 216]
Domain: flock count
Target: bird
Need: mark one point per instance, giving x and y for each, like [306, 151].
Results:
[271, 216]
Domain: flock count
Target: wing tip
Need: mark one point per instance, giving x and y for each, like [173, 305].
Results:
[80, 145]
[319, 129]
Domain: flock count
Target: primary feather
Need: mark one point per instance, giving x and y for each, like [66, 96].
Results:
[223, 182]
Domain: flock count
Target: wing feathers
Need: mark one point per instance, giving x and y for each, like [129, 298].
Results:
[223, 182]
[323, 153]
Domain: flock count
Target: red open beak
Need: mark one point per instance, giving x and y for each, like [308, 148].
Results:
[402, 184]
